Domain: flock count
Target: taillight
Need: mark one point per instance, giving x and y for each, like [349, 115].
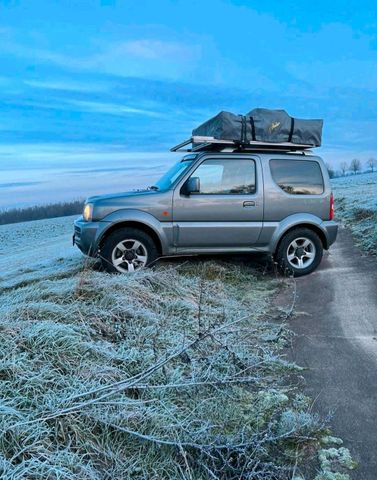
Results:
[331, 206]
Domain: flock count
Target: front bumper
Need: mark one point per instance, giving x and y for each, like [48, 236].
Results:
[85, 236]
[331, 229]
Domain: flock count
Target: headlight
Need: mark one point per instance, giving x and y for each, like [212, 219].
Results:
[88, 211]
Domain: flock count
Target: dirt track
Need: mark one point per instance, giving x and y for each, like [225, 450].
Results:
[336, 327]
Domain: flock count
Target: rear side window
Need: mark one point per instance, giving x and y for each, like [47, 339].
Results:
[297, 177]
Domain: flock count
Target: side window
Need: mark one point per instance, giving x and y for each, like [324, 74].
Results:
[221, 177]
[297, 177]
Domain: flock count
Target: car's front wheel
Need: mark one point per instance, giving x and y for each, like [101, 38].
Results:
[299, 252]
[127, 250]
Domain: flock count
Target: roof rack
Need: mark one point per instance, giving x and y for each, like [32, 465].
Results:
[200, 144]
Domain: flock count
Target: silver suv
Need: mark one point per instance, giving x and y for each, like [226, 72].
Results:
[279, 203]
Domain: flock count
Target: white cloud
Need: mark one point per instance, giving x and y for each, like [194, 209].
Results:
[67, 85]
[138, 57]
[118, 109]
[147, 57]
[154, 49]
[111, 108]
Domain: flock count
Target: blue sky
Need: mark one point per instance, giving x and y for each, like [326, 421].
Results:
[140, 75]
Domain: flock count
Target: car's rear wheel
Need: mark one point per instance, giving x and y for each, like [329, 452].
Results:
[127, 250]
[299, 252]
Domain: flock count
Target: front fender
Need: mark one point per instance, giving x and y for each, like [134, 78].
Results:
[163, 230]
[296, 220]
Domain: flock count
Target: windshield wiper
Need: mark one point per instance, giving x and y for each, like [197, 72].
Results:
[153, 187]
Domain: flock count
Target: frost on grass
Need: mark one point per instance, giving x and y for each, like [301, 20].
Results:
[356, 204]
[169, 373]
[333, 460]
[34, 250]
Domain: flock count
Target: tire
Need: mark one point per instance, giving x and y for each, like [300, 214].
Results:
[299, 252]
[127, 250]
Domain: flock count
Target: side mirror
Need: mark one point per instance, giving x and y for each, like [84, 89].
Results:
[192, 185]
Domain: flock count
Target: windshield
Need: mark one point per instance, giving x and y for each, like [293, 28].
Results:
[167, 180]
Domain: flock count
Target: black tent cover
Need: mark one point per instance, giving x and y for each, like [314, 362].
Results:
[262, 125]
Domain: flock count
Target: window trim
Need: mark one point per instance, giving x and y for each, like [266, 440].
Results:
[226, 159]
[305, 195]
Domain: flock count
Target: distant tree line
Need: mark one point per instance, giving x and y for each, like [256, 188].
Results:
[354, 167]
[39, 212]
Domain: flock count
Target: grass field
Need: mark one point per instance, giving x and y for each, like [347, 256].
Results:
[356, 205]
[173, 372]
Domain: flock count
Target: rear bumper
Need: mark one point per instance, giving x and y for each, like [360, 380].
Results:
[331, 229]
[85, 235]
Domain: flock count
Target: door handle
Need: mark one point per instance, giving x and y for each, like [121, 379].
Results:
[249, 204]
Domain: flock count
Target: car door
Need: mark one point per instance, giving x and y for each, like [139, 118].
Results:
[227, 212]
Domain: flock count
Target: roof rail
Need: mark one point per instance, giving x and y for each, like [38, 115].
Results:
[199, 144]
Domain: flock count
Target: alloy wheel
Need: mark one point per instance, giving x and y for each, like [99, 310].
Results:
[129, 255]
[301, 253]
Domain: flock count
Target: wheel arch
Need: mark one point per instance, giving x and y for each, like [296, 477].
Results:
[131, 224]
[315, 228]
[310, 223]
